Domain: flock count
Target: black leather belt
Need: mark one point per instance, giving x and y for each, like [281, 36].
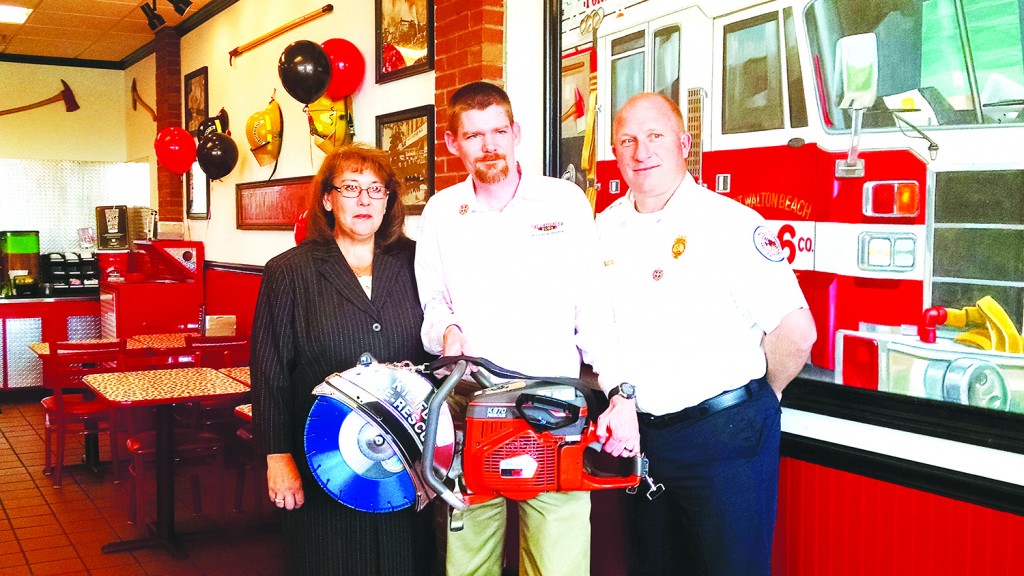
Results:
[705, 408]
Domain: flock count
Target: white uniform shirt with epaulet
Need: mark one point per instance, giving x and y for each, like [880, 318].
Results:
[695, 286]
[522, 283]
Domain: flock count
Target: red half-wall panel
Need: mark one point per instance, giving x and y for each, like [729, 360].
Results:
[233, 291]
[841, 524]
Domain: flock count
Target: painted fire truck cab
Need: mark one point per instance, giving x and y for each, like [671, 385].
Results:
[881, 139]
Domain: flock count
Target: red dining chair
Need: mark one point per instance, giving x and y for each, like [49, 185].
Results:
[216, 352]
[72, 406]
[249, 460]
[199, 453]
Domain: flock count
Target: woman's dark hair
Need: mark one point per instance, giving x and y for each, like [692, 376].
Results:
[355, 158]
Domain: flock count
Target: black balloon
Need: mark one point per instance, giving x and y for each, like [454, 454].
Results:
[217, 155]
[305, 71]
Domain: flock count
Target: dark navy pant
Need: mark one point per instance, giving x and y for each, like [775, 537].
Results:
[721, 476]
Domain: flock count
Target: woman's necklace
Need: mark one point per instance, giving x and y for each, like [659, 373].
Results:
[361, 271]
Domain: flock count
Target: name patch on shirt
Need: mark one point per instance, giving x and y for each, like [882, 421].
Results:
[768, 245]
[547, 228]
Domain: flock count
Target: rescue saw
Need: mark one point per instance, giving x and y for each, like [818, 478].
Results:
[380, 437]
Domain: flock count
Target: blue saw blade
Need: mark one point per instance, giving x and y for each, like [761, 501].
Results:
[352, 461]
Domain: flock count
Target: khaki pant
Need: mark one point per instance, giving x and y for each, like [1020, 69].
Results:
[554, 537]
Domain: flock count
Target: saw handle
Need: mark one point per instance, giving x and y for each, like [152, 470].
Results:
[544, 413]
[430, 436]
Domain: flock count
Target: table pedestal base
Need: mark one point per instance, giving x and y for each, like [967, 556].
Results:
[162, 531]
[169, 543]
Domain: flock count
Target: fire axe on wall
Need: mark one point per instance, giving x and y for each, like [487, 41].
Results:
[138, 101]
[64, 95]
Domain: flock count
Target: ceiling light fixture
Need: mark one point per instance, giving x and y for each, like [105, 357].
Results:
[181, 6]
[14, 14]
[152, 18]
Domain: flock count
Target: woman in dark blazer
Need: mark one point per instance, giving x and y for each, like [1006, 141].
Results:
[348, 288]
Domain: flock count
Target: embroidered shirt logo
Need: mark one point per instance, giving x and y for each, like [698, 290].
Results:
[768, 245]
[547, 227]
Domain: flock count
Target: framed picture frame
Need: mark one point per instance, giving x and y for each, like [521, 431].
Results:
[197, 98]
[404, 39]
[271, 204]
[407, 137]
[197, 194]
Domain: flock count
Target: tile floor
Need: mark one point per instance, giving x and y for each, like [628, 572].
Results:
[46, 530]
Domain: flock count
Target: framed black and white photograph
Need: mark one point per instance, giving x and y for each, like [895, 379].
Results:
[405, 38]
[197, 194]
[408, 138]
[197, 98]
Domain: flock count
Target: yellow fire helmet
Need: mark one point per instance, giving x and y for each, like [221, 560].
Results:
[331, 121]
[264, 130]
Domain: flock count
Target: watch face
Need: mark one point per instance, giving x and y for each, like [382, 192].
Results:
[627, 391]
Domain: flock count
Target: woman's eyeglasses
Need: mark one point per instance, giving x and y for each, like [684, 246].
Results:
[374, 191]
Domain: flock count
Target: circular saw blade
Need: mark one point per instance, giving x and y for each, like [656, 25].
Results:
[352, 460]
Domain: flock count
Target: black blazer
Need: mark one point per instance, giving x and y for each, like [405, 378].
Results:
[313, 319]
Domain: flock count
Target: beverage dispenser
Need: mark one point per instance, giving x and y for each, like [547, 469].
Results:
[19, 262]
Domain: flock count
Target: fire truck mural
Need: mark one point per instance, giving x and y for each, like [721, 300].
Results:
[882, 141]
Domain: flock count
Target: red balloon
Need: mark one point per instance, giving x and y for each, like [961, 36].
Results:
[391, 59]
[347, 67]
[175, 149]
[300, 227]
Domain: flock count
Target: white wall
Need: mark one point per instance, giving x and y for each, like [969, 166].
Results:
[524, 77]
[95, 132]
[246, 87]
[107, 129]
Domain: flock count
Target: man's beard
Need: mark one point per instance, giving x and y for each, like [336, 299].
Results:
[488, 170]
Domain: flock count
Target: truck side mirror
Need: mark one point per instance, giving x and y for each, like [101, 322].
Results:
[857, 79]
[857, 71]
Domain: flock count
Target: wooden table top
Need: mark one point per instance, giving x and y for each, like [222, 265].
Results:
[43, 348]
[152, 387]
[171, 341]
[240, 373]
[244, 412]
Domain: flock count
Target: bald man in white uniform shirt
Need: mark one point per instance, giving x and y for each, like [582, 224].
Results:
[702, 292]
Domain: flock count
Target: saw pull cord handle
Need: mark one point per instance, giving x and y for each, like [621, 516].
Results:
[430, 436]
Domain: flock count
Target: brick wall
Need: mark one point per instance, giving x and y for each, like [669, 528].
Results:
[170, 192]
[469, 45]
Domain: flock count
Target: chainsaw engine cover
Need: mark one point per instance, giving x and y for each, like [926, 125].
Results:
[515, 433]
[365, 433]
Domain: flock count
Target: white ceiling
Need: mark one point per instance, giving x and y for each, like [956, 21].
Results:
[103, 30]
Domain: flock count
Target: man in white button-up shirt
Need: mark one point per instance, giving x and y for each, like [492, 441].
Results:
[508, 269]
[700, 282]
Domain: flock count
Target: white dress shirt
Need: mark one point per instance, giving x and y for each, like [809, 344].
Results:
[523, 283]
[696, 286]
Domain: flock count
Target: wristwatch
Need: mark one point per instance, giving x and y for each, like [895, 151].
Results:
[626, 390]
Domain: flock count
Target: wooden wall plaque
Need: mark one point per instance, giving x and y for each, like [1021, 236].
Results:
[271, 204]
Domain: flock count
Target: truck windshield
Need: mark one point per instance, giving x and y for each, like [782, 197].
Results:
[940, 62]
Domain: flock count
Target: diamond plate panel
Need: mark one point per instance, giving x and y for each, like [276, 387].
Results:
[178, 254]
[59, 197]
[24, 368]
[83, 327]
